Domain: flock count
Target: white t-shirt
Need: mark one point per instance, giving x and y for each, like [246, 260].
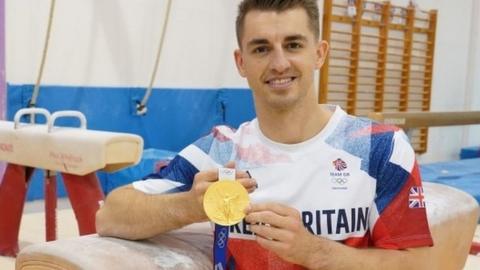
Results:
[356, 181]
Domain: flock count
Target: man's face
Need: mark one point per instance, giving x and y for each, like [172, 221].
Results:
[278, 56]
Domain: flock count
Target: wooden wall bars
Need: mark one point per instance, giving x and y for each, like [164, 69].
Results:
[381, 59]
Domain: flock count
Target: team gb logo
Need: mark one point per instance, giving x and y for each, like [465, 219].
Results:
[339, 164]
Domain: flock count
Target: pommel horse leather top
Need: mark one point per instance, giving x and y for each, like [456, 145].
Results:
[70, 150]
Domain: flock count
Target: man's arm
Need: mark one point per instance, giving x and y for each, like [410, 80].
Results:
[131, 214]
[339, 256]
[287, 237]
[345, 257]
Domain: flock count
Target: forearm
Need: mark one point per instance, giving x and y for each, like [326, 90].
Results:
[333, 255]
[129, 213]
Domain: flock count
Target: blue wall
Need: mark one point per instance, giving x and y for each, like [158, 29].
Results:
[175, 117]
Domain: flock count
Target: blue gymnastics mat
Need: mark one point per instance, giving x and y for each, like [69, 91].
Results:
[463, 174]
[470, 152]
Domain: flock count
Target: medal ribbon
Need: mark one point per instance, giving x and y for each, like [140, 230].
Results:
[221, 232]
[220, 247]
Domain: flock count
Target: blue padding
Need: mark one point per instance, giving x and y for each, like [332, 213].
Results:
[148, 164]
[175, 117]
[462, 174]
[470, 152]
[36, 188]
[238, 106]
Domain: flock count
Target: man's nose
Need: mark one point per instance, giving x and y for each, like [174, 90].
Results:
[279, 62]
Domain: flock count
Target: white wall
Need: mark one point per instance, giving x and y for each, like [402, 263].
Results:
[472, 98]
[113, 43]
[454, 74]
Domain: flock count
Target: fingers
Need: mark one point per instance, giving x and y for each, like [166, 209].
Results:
[276, 216]
[212, 175]
[242, 174]
[206, 176]
[238, 173]
[264, 217]
[277, 208]
[248, 183]
[271, 244]
[202, 180]
[273, 220]
[270, 232]
[230, 164]
[243, 177]
[279, 228]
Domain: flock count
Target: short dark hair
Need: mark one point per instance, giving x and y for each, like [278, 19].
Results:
[310, 6]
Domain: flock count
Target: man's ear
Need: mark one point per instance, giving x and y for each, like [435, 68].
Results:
[322, 53]
[239, 62]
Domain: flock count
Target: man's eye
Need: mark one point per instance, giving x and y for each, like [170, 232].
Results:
[294, 46]
[262, 49]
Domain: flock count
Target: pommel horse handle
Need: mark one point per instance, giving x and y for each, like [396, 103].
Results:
[59, 114]
[32, 112]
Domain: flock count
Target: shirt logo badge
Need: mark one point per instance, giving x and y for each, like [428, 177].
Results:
[339, 164]
[339, 177]
[416, 199]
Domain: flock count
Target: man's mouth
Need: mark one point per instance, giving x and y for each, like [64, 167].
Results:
[280, 83]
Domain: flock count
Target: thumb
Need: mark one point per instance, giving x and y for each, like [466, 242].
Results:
[230, 164]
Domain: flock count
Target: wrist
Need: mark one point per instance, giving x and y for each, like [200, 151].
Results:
[194, 207]
[321, 255]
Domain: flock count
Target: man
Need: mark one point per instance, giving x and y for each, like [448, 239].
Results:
[322, 181]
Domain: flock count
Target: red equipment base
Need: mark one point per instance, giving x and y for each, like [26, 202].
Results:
[84, 193]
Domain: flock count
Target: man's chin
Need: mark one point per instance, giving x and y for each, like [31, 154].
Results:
[282, 103]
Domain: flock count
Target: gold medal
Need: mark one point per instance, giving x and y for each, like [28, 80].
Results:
[225, 201]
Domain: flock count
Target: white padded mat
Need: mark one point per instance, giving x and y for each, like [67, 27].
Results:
[32, 230]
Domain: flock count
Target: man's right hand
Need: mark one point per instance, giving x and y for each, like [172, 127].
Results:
[204, 179]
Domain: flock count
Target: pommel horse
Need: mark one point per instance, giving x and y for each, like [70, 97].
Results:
[77, 153]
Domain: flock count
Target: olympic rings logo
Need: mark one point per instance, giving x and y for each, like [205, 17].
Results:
[218, 266]
[340, 180]
[222, 238]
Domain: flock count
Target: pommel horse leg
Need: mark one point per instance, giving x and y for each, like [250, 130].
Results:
[13, 189]
[50, 189]
[85, 194]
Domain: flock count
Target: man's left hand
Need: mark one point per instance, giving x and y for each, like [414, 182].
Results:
[279, 228]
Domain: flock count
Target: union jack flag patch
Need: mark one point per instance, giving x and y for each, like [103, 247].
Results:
[416, 198]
